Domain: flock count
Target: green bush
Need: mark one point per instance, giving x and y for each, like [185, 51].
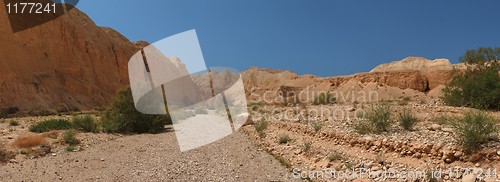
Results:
[335, 156]
[307, 146]
[283, 138]
[51, 124]
[407, 120]
[70, 148]
[260, 127]
[122, 117]
[317, 126]
[84, 123]
[13, 123]
[479, 85]
[324, 98]
[473, 130]
[363, 126]
[380, 117]
[69, 137]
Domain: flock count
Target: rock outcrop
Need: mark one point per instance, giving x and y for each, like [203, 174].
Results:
[415, 64]
[65, 64]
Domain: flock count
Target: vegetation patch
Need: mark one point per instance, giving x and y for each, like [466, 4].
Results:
[376, 120]
[283, 138]
[70, 137]
[30, 140]
[51, 124]
[473, 130]
[13, 123]
[84, 123]
[123, 117]
[479, 86]
[260, 127]
[407, 120]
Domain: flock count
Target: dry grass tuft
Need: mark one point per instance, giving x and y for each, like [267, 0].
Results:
[29, 140]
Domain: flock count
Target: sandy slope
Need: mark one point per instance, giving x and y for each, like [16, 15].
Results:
[153, 158]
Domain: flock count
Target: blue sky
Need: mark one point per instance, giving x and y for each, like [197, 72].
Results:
[320, 37]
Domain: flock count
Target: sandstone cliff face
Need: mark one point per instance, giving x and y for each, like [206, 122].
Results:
[66, 64]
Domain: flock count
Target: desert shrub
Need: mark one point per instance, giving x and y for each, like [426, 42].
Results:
[407, 120]
[473, 130]
[479, 85]
[307, 146]
[122, 117]
[260, 127]
[317, 126]
[5, 155]
[50, 124]
[13, 123]
[363, 126]
[380, 117]
[29, 140]
[70, 148]
[324, 98]
[283, 138]
[335, 156]
[70, 137]
[442, 119]
[84, 123]
[376, 120]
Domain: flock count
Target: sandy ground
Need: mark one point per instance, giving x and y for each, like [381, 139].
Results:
[153, 158]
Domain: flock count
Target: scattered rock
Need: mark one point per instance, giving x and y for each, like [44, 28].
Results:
[351, 109]
[435, 127]
[449, 130]
[469, 178]
[375, 168]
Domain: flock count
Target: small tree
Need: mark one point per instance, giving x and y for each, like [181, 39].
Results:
[122, 117]
[479, 85]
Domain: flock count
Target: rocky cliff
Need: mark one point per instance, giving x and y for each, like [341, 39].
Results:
[65, 64]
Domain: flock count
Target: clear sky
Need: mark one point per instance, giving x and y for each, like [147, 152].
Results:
[320, 37]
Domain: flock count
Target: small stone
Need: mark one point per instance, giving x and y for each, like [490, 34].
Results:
[435, 127]
[102, 159]
[449, 130]
[351, 109]
[477, 164]
[469, 178]
[13, 161]
[375, 168]
[53, 154]
[297, 152]
[489, 179]
[498, 152]
[458, 154]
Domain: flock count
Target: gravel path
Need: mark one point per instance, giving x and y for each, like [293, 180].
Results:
[153, 158]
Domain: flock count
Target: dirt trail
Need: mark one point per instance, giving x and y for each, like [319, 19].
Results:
[153, 158]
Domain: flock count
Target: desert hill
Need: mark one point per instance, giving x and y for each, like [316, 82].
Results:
[411, 77]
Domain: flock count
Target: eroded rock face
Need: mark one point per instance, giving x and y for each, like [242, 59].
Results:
[67, 63]
[415, 64]
[391, 80]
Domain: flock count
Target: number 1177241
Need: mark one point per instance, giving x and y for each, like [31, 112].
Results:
[31, 8]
